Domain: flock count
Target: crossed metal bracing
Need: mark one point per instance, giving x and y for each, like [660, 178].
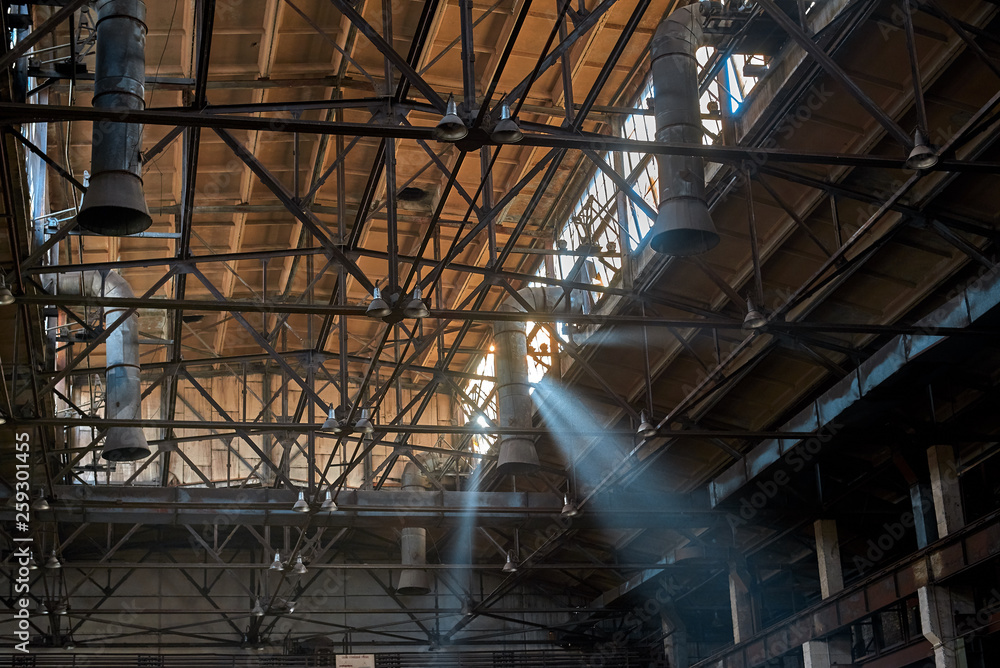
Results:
[279, 145]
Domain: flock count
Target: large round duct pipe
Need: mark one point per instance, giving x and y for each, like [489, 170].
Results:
[517, 453]
[413, 542]
[122, 386]
[114, 203]
[683, 225]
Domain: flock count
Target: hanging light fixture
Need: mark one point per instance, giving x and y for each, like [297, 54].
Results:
[42, 608]
[6, 296]
[328, 505]
[68, 644]
[754, 318]
[276, 565]
[646, 428]
[921, 156]
[511, 565]
[32, 564]
[300, 568]
[41, 503]
[569, 508]
[53, 561]
[450, 127]
[364, 423]
[291, 605]
[415, 308]
[61, 608]
[378, 308]
[332, 423]
[258, 609]
[301, 506]
[506, 130]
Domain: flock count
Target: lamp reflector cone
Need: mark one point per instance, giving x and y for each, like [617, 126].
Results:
[450, 127]
[301, 506]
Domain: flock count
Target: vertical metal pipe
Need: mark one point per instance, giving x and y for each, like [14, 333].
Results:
[122, 386]
[114, 203]
[517, 453]
[413, 541]
[683, 225]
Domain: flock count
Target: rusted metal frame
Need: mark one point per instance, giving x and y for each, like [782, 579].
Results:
[107, 593]
[960, 31]
[687, 346]
[367, 197]
[567, 74]
[529, 210]
[815, 356]
[755, 257]
[472, 404]
[330, 40]
[12, 113]
[380, 395]
[623, 185]
[830, 66]
[385, 468]
[259, 338]
[205, 593]
[722, 284]
[429, 339]
[793, 215]
[212, 553]
[423, 469]
[105, 558]
[553, 56]
[46, 159]
[918, 89]
[205, 10]
[342, 478]
[102, 337]
[270, 336]
[961, 244]
[159, 147]
[194, 467]
[392, 230]
[391, 593]
[390, 53]
[436, 159]
[240, 432]
[51, 241]
[295, 207]
[341, 156]
[201, 418]
[29, 40]
[468, 54]
[412, 76]
[481, 316]
[577, 356]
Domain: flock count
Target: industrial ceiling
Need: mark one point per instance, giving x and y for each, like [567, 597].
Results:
[292, 163]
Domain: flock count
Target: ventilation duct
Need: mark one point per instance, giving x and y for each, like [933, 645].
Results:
[683, 225]
[114, 203]
[517, 453]
[413, 542]
[122, 388]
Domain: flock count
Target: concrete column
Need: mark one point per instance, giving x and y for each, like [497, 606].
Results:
[938, 607]
[675, 641]
[945, 489]
[924, 522]
[831, 576]
[827, 653]
[742, 606]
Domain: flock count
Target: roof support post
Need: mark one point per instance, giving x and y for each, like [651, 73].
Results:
[831, 576]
